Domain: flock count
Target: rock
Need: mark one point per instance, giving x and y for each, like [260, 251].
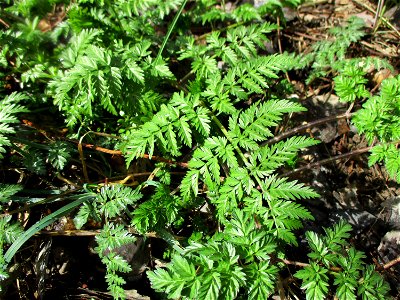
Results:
[393, 15]
[137, 255]
[389, 248]
[392, 211]
[358, 219]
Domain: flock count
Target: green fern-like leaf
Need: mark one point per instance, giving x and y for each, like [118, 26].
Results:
[336, 237]
[315, 281]
[346, 287]
[77, 46]
[7, 191]
[81, 218]
[261, 278]
[350, 84]
[9, 107]
[111, 237]
[235, 187]
[246, 12]
[159, 68]
[9, 230]
[251, 244]
[378, 119]
[347, 279]
[162, 128]
[252, 125]
[320, 251]
[59, 154]
[112, 200]
[372, 285]
[331, 54]
[180, 273]
[161, 211]
[280, 188]
[392, 162]
[190, 184]
[270, 158]
[34, 160]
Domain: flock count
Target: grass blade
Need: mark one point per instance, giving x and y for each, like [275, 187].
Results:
[46, 221]
[170, 29]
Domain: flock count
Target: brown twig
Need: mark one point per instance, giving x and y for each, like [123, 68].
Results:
[170, 162]
[4, 23]
[101, 149]
[67, 181]
[147, 156]
[332, 159]
[328, 160]
[278, 32]
[279, 35]
[378, 14]
[82, 158]
[377, 51]
[303, 265]
[391, 263]
[294, 263]
[300, 128]
[313, 38]
[313, 3]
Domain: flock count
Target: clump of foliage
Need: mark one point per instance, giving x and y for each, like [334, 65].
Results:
[9, 107]
[379, 121]
[331, 56]
[332, 258]
[204, 104]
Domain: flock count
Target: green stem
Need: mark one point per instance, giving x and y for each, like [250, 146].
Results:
[116, 15]
[171, 27]
[242, 156]
[235, 146]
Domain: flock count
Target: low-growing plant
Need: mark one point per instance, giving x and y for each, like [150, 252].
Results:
[331, 56]
[203, 104]
[332, 258]
[379, 121]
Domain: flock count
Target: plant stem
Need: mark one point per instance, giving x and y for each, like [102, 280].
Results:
[243, 157]
[116, 15]
[185, 77]
[170, 29]
[226, 134]
[384, 20]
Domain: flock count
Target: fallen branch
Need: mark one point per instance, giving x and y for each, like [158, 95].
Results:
[391, 263]
[147, 156]
[327, 160]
